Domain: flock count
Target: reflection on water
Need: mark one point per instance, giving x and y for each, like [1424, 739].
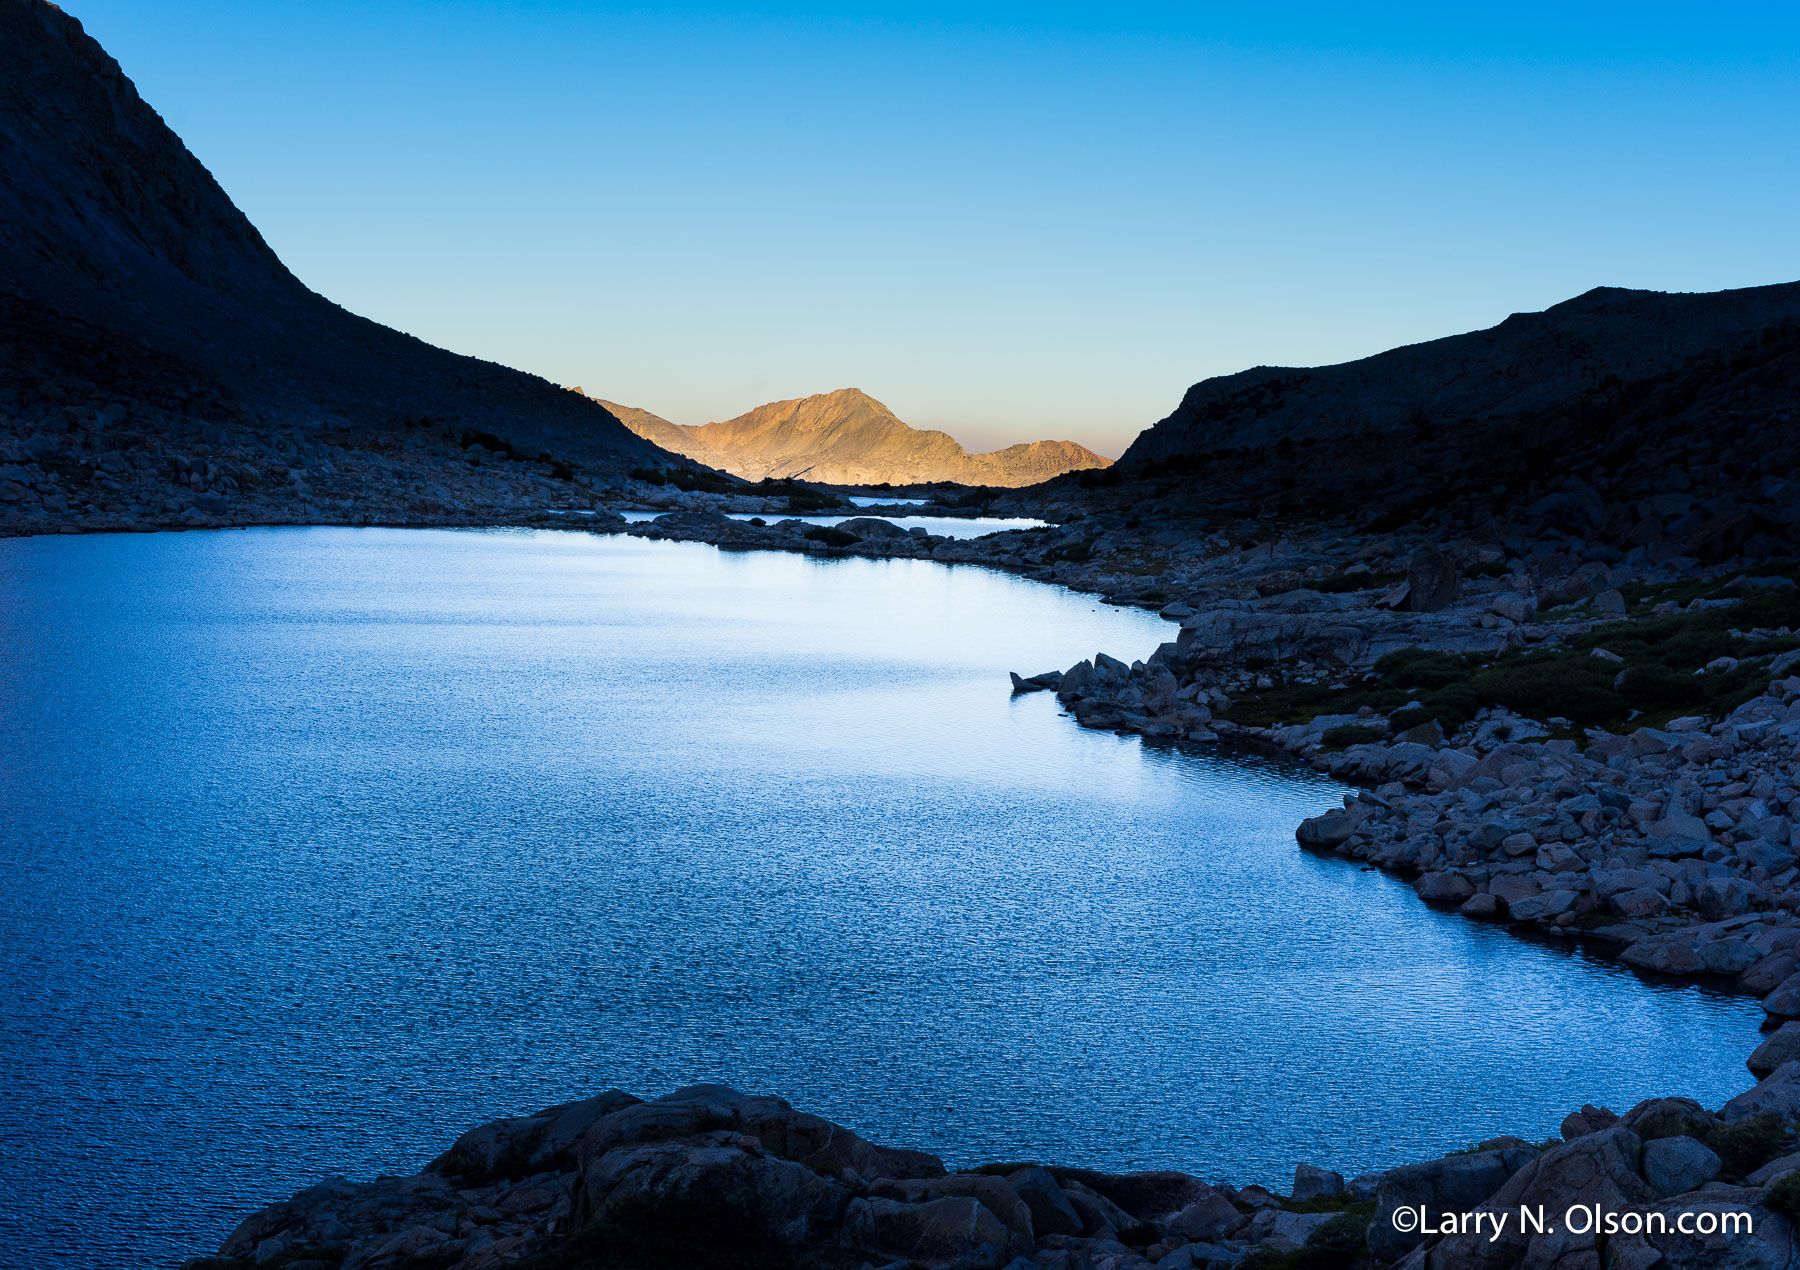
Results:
[937, 526]
[323, 845]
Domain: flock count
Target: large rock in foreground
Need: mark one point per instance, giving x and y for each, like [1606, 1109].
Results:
[707, 1178]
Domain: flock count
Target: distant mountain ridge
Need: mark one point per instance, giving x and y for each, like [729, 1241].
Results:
[848, 438]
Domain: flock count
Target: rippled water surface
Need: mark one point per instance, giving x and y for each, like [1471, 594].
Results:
[319, 846]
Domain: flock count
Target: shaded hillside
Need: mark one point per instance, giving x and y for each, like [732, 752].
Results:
[1620, 419]
[116, 244]
[1532, 366]
[848, 438]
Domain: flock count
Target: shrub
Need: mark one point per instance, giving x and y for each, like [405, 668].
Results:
[1454, 705]
[1669, 1124]
[801, 498]
[1418, 668]
[1405, 720]
[488, 441]
[1749, 1144]
[1784, 1196]
[1451, 707]
[1725, 693]
[1579, 688]
[1653, 686]
[802, 501]
[831, 536]
[1339, 1244]
[648, 475]
[689, 480]
[1347, 734]
[1692, 649]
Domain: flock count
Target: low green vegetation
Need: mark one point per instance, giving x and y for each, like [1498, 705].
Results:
[1641, 598]
[1078, 552]
[831, 536]
[688, 480]
[1659, 673]
[560, 469]
[1749, 1144]
[1784, 1196]
[801, 498]
[1347, 734]
[1340, 1244]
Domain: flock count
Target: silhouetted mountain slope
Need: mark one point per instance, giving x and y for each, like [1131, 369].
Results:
[114, 235]
[848, 438]
[1532, 366]
[1619, 419]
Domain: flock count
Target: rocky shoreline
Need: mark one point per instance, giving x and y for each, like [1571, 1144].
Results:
[707, 1177]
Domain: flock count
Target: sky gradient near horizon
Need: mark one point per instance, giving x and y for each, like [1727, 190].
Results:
[1010, 222]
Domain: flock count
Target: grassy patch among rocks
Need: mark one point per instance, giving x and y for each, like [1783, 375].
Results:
[1628, 671]
[1339, 1244]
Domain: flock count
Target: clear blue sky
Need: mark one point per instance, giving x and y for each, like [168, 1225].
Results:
[1009, 222]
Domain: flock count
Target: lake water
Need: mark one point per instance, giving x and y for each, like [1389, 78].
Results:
[322, 845]
[938, 526]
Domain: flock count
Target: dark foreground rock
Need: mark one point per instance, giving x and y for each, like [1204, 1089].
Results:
[709, 1177]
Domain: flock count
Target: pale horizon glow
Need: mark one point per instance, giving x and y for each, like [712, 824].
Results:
[1009, 223]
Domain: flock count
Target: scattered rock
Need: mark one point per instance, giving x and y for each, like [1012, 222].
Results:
[1312, 1183]
[1431, 580]
[1780, 1048]
[1678, 1164]
[1777, 1094]
[1328, 830]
